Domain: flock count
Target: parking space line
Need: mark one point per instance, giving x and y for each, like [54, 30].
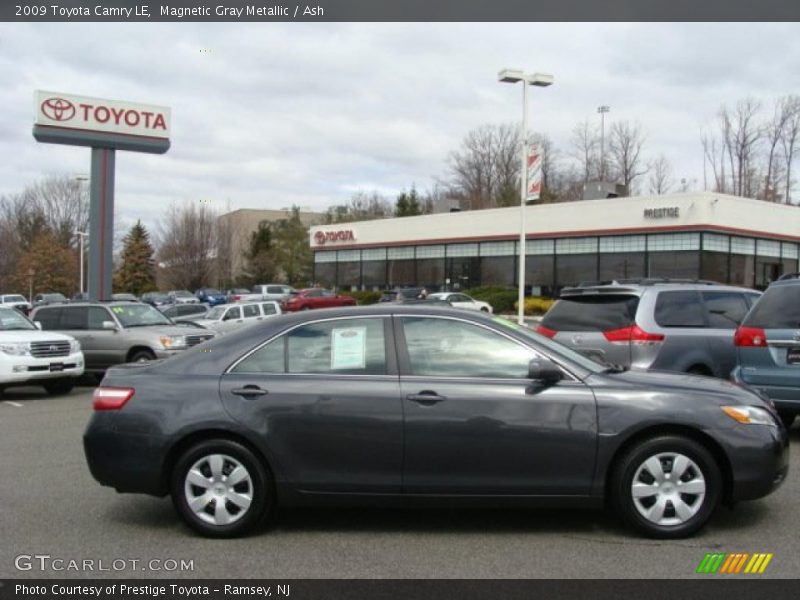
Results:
[17, 404]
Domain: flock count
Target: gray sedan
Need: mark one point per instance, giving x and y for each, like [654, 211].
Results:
[409, 403]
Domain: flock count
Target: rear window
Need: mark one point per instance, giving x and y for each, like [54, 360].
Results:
[592, 313]
[679, 309]
[778, 308]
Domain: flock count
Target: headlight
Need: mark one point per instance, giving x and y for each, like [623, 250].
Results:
[173, 342]
[749, 415]
[16, 349]
[74, 346]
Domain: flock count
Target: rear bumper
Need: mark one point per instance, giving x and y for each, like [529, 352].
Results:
[785, 397]
[128, 462]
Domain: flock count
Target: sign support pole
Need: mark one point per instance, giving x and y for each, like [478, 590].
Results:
[101, 224]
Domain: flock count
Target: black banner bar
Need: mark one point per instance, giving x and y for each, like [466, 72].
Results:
[400, 10]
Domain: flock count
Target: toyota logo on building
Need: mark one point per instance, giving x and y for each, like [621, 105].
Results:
[58, 109]
[319, 237]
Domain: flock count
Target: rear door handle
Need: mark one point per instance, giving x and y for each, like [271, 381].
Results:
[249, 391]
[426, 397]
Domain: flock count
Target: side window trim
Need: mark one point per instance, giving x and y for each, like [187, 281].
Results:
[388, 341]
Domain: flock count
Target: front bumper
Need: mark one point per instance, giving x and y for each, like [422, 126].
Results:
[759, 462]
[23, 369]
[784, 397]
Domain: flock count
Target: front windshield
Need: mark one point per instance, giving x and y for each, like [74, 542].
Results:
[560, 349]
[215, 313]
[210, 291]
[183, 294]
[13, 320]
[54, 297]
[139, 315]
[14, 299]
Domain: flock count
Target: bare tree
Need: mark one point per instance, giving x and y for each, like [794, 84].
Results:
[790, 138]
[584, 149]
[660, 179]
[741, 134]
[187, 244]
[625, 146]
[363, 206]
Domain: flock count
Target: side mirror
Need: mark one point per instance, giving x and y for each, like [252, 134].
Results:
[545, 371]
[38, 324]
[109, 325]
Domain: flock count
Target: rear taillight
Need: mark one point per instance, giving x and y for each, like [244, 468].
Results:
[634, 334]
[236, 297]
[111, 398]
[750, 337]
[541, 329]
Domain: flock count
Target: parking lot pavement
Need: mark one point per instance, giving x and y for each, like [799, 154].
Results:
[52, 506]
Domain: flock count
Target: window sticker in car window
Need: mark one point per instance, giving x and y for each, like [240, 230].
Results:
[349, 348]
[117, 310]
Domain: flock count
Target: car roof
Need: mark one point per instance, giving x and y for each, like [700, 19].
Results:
[638, 286]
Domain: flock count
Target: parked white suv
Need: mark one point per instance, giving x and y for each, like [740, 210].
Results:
[32, 357]
[227, 317]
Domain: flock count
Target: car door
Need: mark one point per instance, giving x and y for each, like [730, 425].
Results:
[325, 399]
[108, 345]
[724, 313]
[74, 321]
[474, 423]
[251, 314]
[462, 301]
[231, 319]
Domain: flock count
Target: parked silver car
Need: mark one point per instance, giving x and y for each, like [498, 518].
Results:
[667, 325]
[227, 317]
[17, 301]
[116, 333]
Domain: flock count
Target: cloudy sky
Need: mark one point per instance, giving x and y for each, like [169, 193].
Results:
[270, 115]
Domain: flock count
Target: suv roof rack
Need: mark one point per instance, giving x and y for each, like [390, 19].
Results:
[645, 281]
[787, 276]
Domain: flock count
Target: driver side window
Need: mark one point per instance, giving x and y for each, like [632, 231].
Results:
[450, 348]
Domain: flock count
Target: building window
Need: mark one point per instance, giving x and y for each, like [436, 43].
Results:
[373, 254]
[576, 245]
[623, 243]
[540, 247]
[665, 242]
[572, 269]
[430, 251]
[674, 265]
[373, 274]
[741, 245]
[621, 265]
[400, 273]
[349, 275]
[498, 249]
[325, 274]
[325, 257]
[789, 250]
[539, 272]
[498, 270]
[396, 253]
[462, 250]
[430, 272]
[742, 269]
[348, 256]
[768, 248]
[715, 266]
[462, 273]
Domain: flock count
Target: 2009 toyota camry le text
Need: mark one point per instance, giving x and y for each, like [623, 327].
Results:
[405, 404]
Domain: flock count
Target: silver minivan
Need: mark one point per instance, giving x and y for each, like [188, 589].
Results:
[658, 324]
[227, 317]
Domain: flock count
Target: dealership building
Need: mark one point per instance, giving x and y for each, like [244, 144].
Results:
[693, 235]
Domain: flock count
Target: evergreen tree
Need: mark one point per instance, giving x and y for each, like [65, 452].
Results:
[291, 250]
[136, 272]
[261, 266]
[408, 204]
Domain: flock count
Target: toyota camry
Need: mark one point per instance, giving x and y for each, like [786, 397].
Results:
[402, 404]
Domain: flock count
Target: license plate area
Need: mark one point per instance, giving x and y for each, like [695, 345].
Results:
[56, 367]
[793, 355]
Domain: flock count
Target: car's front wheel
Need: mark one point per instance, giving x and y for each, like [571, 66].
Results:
[221, 489]
[787, 418]
[666, 487]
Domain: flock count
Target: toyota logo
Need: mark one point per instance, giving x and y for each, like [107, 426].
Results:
[58, 109]
[319, 237]
[53, 348]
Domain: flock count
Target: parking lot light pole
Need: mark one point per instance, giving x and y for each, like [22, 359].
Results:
[539, 80]
[81, 236]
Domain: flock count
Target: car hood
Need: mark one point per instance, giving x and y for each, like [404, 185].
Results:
[33, 335]
[724, 391]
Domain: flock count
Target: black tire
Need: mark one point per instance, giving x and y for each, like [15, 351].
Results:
[142, 356]
[700, 370]
[484, 309]
[787, 418]
[260, 488]
[629, 464]
[59, 387]
[306, 308]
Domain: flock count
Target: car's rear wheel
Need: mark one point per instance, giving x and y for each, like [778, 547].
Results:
[787, 418]
[666, 487]
[59, 387]
[221, 489]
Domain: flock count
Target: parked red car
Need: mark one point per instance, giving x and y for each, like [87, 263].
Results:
[316, 298]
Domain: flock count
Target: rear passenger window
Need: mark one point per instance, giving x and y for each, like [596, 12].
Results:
[269, 309]
[97, 316]
[74, 318]
[274, 289]
[49, 318]
[679, 309]
[724, 310]
[349, 346]
[604, 312]
[250, 311]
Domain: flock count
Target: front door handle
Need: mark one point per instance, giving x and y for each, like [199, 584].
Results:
[426, 397]
[249, 391]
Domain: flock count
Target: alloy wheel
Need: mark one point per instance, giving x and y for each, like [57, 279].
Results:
[218, 489]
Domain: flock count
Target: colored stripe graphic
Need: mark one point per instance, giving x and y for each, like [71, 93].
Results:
[733, 563]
